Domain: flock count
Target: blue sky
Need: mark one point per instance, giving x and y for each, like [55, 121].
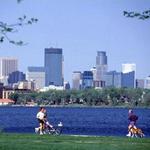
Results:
[81, 28]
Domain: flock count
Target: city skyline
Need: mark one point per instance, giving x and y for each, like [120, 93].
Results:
[80, 29]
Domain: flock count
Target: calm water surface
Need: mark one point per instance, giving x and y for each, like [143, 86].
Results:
[87, 121]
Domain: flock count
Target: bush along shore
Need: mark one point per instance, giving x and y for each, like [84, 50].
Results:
[47, 142]
[123, 97]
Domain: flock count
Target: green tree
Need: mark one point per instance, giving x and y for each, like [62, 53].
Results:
[14, 96]
[147, 98]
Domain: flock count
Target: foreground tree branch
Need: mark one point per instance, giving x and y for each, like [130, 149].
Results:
[142, 16]
[5, 29]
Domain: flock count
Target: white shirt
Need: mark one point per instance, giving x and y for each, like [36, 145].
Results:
[40, 115]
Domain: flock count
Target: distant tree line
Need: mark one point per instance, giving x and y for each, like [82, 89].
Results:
[91, 97]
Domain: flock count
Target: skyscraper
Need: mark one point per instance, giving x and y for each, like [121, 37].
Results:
[147, 83]
[128, 80]
[126, 68]
[7, 66]
[37, 75]
[128, 75]
[87, 79]
[94, 73]
[16, 76]
[101, 65]
[113, 79]
[76, 80]
[53, 67]
[140, 83]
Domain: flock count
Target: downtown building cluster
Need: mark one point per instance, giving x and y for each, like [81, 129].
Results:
[100, 77]
[51, 75]
[37, 78]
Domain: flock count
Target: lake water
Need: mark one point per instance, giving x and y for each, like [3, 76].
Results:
[82, 121]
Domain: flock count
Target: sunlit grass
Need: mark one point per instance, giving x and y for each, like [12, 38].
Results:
[46, 142]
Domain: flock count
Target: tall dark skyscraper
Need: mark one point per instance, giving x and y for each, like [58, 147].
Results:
[53, 66]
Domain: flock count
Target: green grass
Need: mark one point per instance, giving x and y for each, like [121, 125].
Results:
[46, 142]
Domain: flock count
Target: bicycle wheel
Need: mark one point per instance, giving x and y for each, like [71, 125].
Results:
[57, 132]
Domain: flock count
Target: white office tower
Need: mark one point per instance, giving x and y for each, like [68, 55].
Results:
[127, 67]
[94, 73]
[7, 66]
[76, 80]
[37, 75]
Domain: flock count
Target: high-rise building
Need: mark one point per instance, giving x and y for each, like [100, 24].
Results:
[128, 80]
[76, 80]
[113, 79]
[87, 79]
[147, 83]
[101, 65]
[1, 90]
[66, 85]
[37, 75]
[53, 67]
[128, 75]
[94, 73]
[140, 83]
[16, 76]
[128, 67]
[7, 66]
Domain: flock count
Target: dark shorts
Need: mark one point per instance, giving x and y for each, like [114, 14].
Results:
[41, 121]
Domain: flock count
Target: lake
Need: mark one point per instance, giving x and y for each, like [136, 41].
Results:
[82, 121]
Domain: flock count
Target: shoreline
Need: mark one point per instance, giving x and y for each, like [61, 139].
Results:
[78, 106]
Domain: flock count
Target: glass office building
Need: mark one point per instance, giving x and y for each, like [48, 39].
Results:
[37, 75]
[129, 75]
[53, 67]
[15, 77]
[113, 79]
[87, 79]
[128, 80]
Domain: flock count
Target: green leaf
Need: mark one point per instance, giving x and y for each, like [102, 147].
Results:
[125, 13]
[19, 1]
[9, 29]
[13, 42]
[24, 17]
[20, 19]
[1, 39]
[29, 22]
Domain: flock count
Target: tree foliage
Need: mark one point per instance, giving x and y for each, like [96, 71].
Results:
[90, 97]
[6, 29]
[142, 16]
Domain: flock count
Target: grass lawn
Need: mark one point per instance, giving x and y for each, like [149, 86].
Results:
[66, 142]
